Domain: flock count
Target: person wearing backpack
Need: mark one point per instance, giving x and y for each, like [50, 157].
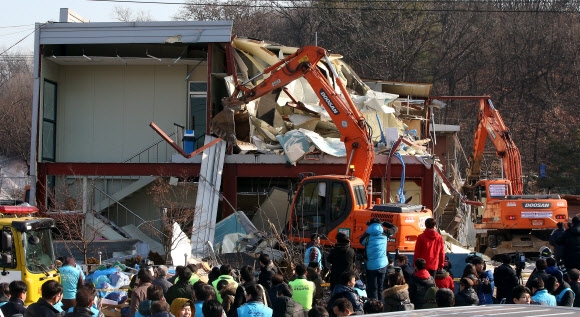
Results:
[375, 242]
[346, 290]
[313, 251]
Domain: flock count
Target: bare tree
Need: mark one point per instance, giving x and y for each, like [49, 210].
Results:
[15, 106]
[78, 230]
[125, 14]
[176, 203]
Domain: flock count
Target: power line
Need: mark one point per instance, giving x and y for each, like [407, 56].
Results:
[24, 38]
[15, 26]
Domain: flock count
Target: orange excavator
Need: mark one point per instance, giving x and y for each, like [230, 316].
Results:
[329, 204]
[506, 220]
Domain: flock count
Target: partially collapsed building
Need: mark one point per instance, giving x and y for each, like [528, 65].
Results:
[98, 86]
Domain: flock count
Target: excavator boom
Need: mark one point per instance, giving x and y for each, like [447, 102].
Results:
[491, 124]
[328, 204]
[348, 119]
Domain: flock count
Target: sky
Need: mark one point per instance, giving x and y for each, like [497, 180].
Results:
[18, 17]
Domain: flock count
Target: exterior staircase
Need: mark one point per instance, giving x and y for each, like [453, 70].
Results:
[123, 193]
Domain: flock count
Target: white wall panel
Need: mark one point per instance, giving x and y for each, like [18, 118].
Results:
[105, 111]
[75, 116]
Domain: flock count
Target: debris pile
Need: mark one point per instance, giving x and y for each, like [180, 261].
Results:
[291, 121]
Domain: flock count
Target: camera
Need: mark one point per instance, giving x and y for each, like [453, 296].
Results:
[519, 260]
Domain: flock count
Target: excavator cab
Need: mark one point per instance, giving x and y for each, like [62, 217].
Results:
[321, 203]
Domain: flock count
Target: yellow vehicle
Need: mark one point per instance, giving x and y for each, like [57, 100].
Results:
[27, 251]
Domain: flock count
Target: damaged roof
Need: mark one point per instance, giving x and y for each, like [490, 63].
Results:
[291, 121]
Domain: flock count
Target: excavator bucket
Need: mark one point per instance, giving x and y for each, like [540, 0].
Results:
[232, 123]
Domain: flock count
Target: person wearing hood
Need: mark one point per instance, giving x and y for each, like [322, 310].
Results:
[228, 293]
[420, 282]
[466, 295]
[430, 299]
[182, 307]
[340, 258]
[360, 288]
[553, 269]
[430, 247]
[397, 292]
[375, 242]
[346, 290]
[313, 252]
[444, 280]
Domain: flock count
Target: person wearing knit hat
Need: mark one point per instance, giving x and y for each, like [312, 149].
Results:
[341, 258]
[182, 307]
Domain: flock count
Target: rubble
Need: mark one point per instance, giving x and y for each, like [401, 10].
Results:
[291, 122]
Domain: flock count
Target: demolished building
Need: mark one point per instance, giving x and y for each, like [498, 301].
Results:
[99, 85]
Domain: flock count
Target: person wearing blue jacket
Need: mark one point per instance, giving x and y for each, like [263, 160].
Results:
[375, 241]
[254, 305]
[486, 281]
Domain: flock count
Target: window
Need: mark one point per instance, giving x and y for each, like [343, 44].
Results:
[197, 109]
[49, 122]
[339, 201]
[361, 195]
[311, 206]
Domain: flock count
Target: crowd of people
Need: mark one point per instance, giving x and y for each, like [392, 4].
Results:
[391, 284]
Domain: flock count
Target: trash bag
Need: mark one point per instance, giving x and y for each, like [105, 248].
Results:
[119, 279]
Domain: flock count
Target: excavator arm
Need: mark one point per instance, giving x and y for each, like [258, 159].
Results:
[491, 124]
[349, 120]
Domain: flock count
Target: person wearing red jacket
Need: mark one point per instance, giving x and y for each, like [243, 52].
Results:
[430, 247]
[444, 280]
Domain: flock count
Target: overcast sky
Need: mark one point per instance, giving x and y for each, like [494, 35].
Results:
[18, 16]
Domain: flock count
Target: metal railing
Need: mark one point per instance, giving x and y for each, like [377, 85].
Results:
[128, 213]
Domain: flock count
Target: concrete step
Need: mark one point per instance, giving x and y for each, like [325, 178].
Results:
[99, 227]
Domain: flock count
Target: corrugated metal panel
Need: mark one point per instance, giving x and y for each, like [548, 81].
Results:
[135, 32]
[212, 163]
